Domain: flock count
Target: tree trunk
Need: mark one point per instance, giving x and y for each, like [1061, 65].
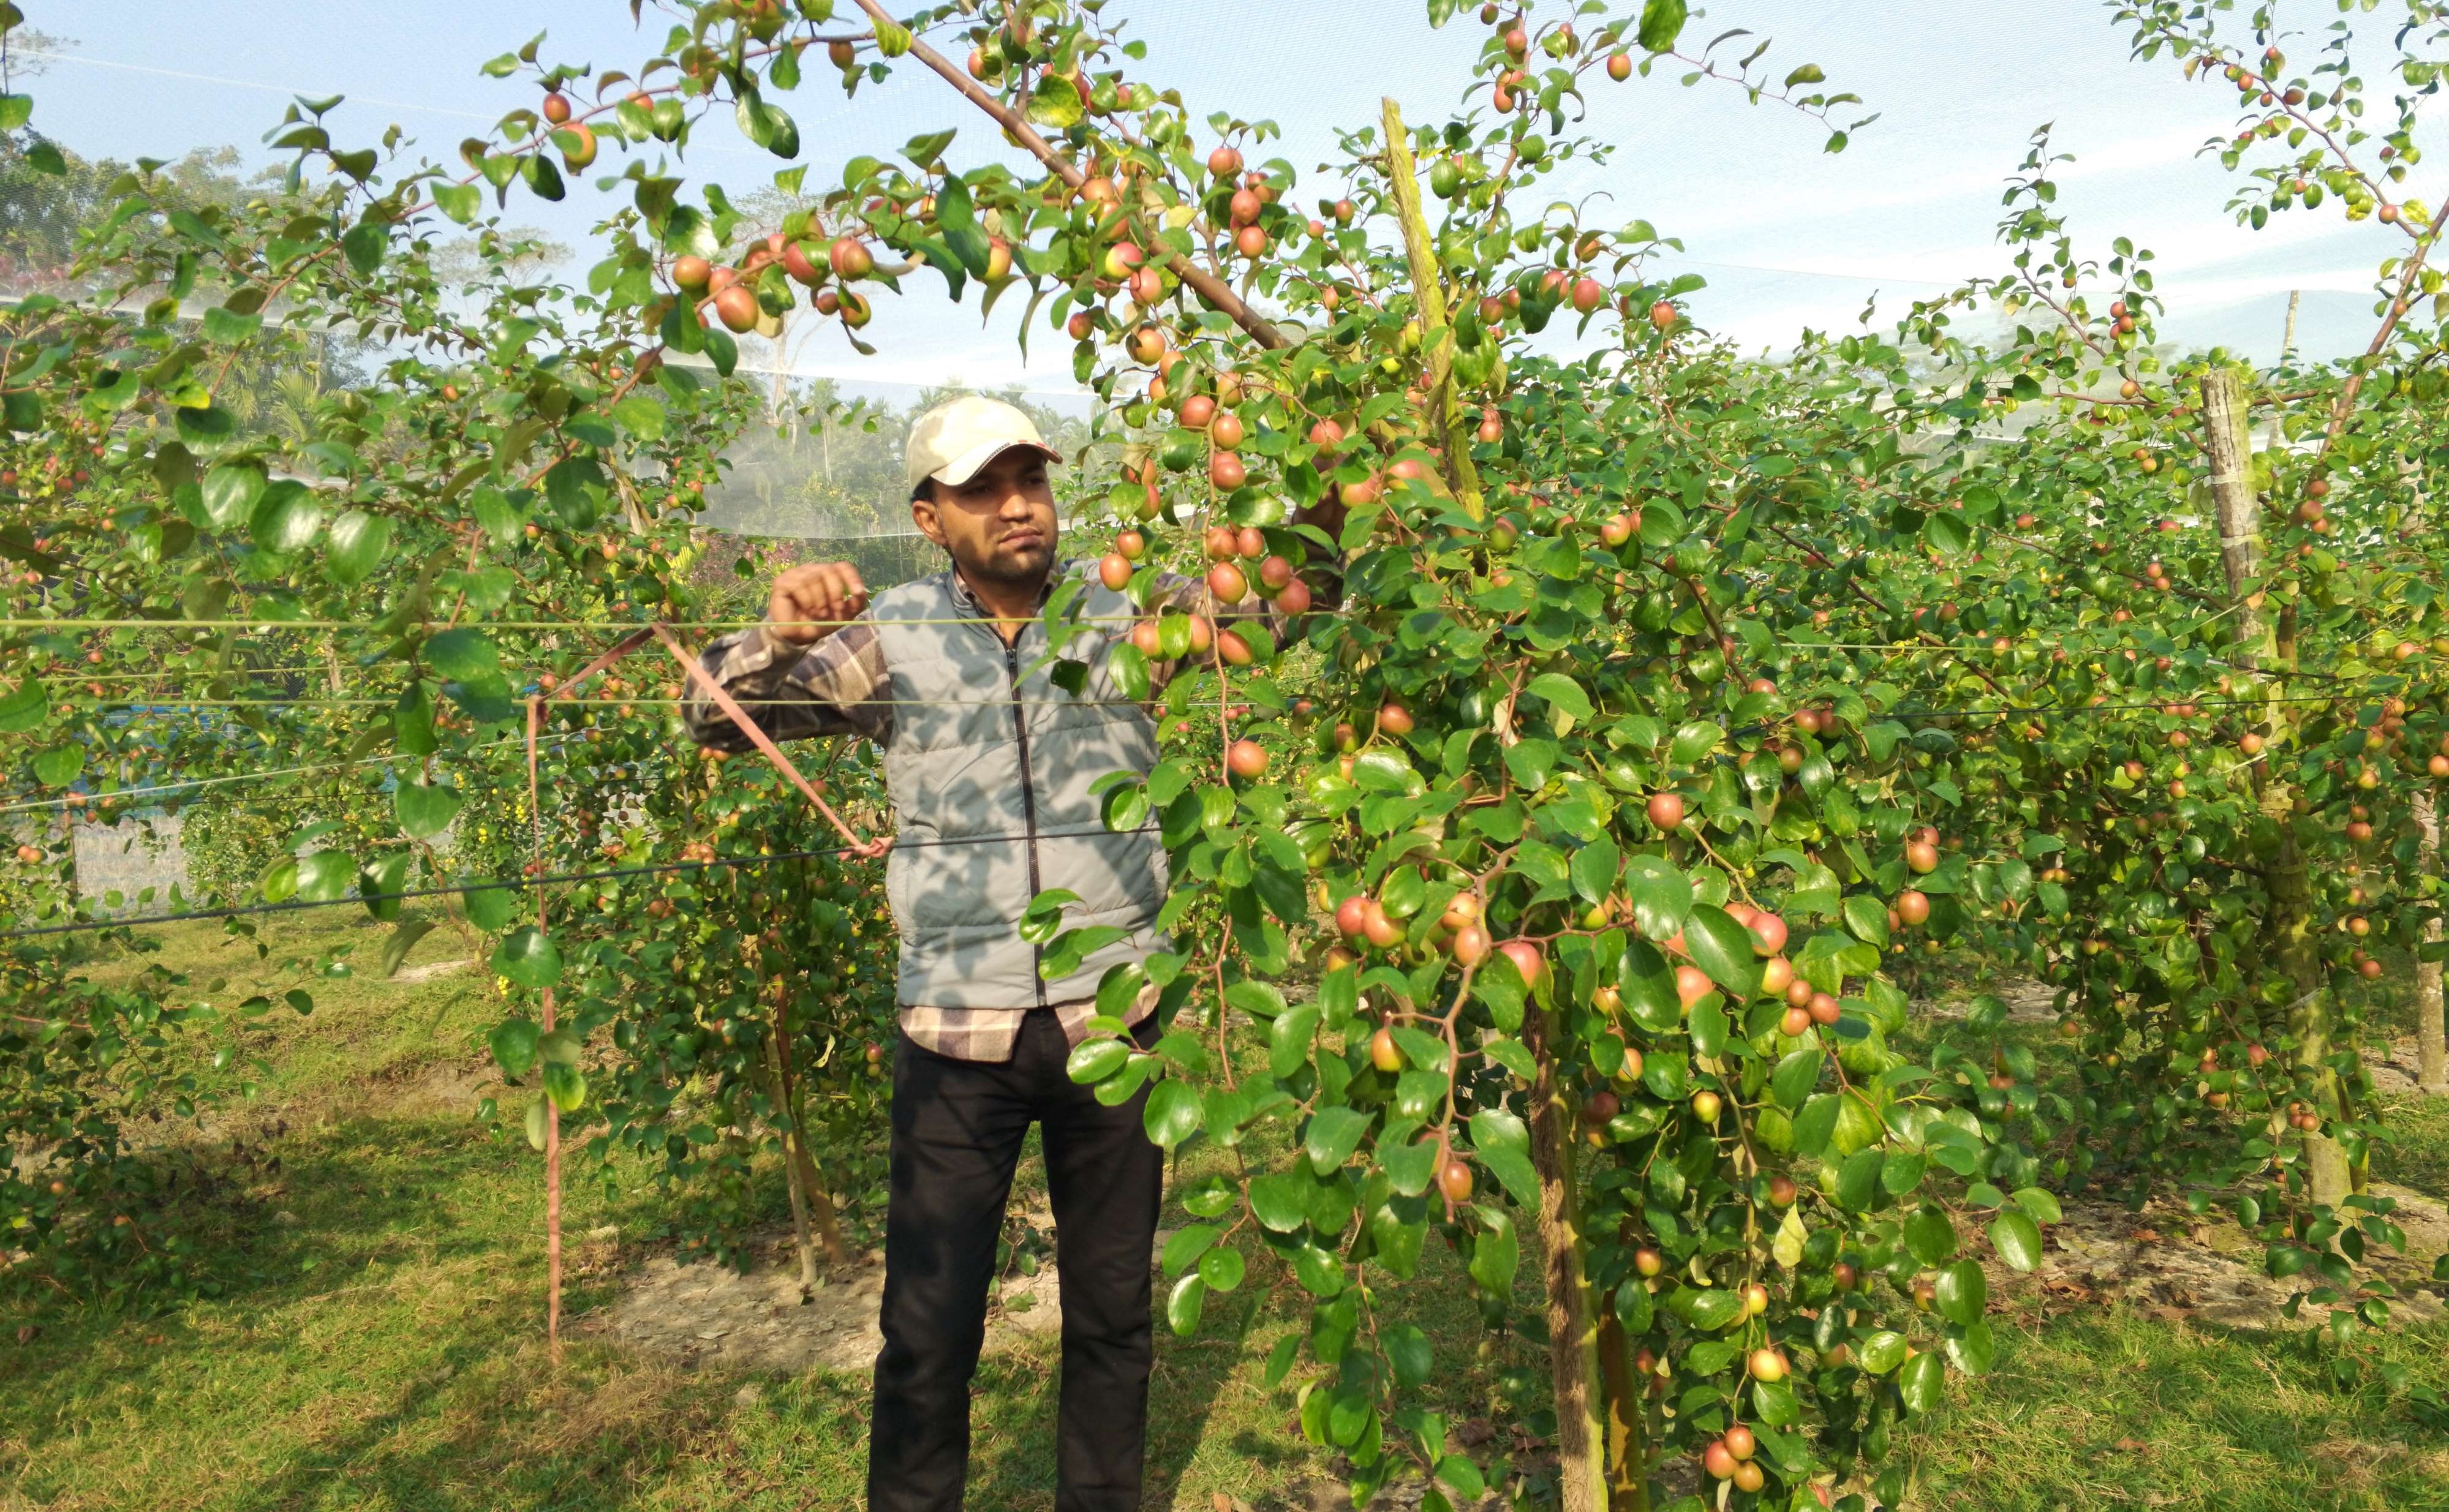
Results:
[2288, 931]
[1573, 1334]
[2434, 1069]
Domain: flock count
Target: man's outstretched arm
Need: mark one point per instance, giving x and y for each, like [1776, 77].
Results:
[815, 667]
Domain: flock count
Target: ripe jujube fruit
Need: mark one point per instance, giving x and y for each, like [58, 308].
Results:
[1530, 963]
[1225, 580]
[1454, 1181]
[735, 306]
[1382, 1052]
[1913, 908]
[1394, 719]
[1247, 759]
[1114, 571]
[556, 108]
[1665, 811]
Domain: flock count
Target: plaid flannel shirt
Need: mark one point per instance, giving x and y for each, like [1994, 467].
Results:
[842, 686]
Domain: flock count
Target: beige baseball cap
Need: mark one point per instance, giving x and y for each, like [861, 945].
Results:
[953, 440]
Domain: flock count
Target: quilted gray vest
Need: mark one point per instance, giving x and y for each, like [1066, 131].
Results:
[989, 767]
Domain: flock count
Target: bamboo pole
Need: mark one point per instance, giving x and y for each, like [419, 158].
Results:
[2266, 656]
[2433, 1053]
[1437, 324]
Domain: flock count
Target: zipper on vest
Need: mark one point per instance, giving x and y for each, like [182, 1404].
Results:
[1028, 800]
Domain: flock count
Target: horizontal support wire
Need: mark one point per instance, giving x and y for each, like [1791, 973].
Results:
[1923, 716]
[242, 911]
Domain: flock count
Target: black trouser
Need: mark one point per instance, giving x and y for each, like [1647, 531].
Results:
[957, 1127]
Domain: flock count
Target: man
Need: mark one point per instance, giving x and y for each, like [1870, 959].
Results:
[992, 770]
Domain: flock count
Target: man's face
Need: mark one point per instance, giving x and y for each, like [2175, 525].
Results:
[999, 527]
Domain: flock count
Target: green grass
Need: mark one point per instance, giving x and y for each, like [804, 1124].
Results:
[381, 1346]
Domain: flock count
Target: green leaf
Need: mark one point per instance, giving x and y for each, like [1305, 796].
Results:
[424, 812]
[1795, 1076]
[461, 201]
[1320, 1272]
[1223, 1268]
[1706, 1307]
[1503, 1142]
[1092, 1060]
[2017, 1238]
[1693, 741]
[365, 245]
[528, 957]
[1407, 1351]
[1867, 917]
[1182, 1251]
[1563, 693]
[1946, 533]
[491, 910]
[1334, 1133]
[1923, 1382]
[1722, 948]
[1594, 871]
[1661, 900]
[380, 880]
[514, 1046]
[1279, 1200]
[24, 707]
[226, 327]
[1662, 20]
[1172, 1114]
[1289, 1038]
[1858, 1179]
[325, 877]
[1962, 1293]
[230, 492]
[1975, 1349]
[1707, 1025]
[565, 1085]
[1496, 1252]
[60, 765]
[1930, 1234]
[286, 518]
[1882, 1351]
[462, 655]
[401, 940]
[2040, 1203]
[355, 546]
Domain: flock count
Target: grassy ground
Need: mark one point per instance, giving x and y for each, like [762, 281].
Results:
[381, 1347]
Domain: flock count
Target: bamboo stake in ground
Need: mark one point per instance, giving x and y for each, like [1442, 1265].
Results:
[2289, 928]
[2433, 1053]
[1437, 324]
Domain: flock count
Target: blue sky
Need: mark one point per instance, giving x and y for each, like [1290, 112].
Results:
[1786, 235]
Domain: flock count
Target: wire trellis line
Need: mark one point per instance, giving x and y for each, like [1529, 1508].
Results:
[293, 906]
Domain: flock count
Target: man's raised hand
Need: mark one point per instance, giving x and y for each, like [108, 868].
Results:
[812, 601]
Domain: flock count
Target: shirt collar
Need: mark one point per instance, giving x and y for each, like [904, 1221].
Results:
[968, 601]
